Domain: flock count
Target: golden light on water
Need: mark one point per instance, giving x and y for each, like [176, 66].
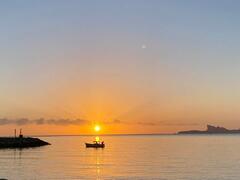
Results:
[97, 139]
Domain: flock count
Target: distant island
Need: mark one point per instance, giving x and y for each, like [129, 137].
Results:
[212, 130]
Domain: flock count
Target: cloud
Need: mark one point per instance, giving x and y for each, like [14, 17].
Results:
[148, 123]
[117, 121]
[179, 124]
[25, 121]
[66, 122]
[152, 123]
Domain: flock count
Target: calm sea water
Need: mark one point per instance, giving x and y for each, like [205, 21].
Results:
[173, 157]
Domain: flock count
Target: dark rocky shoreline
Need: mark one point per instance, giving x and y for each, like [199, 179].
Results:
[21, 142]
[212, 130]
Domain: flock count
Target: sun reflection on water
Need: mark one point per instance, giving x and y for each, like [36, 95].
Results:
[98, 162]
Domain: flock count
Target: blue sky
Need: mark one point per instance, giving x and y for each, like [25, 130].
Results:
[78, 58]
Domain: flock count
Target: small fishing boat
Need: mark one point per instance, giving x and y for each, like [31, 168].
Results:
[95, 144]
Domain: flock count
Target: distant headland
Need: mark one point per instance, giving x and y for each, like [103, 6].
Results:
[212, 130]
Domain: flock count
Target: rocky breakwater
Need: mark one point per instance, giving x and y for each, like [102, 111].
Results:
[21, 142]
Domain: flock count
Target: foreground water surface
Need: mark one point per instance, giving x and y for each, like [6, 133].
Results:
[166, 157]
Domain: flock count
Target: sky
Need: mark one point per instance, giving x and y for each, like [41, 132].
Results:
[138, 66]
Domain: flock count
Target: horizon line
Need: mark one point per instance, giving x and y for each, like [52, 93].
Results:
[128, 134]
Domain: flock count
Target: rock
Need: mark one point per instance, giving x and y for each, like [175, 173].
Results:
[21, 142]
[212, 130]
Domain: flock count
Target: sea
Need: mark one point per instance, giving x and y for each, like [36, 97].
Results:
[146, 157]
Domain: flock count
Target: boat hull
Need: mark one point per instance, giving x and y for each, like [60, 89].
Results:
[88, 145]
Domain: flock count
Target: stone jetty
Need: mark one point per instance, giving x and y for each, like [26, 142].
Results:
[21, 142]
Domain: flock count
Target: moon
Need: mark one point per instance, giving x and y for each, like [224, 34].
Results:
[143, 46]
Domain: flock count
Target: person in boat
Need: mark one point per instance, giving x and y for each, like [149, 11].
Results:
[102, 143]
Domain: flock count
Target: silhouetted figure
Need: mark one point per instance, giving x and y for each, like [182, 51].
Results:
[20, 135]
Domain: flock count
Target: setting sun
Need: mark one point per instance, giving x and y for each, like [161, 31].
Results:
[97, 128]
